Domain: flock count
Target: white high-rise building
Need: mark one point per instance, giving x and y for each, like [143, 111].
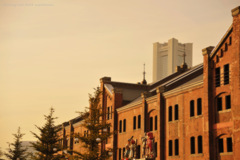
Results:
[167, 56]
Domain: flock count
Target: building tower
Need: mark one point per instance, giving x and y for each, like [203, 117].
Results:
[167, 56]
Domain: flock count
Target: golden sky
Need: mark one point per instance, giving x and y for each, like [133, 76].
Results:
[53, 52]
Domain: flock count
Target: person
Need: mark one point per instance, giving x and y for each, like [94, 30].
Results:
[127, 151]
[150, 145]
[133, 147]
[144, 141]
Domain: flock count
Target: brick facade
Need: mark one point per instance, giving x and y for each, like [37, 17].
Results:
[193, 113]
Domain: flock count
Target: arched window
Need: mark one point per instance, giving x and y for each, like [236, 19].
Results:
[191, 108]
[226, 74]
[192, 147]
[120, 153]
[217, 77]
[151, 124]
[176, 147]
[176, 112]
[134, 122]
[120, 126]
[229, 144]
[139, 121]
[200, 144]
[219, 103]
[124, 125]
[199, 106]
[170, 147]
[170, 113]
[220, 145]
[228, 101]
[226, 46]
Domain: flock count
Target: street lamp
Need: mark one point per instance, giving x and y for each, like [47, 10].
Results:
[98, 140]
[110, 153]
[105, 130]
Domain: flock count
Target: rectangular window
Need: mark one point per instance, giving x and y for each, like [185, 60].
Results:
[226, 46]
[192, 145]
[221, 55]
[220, 145]
[120, 154]
[170, 147]
[170, 114]
[219, 103]
[199, 106]
[229, 144]
[191, 108]
[120, 126]
[108, 112]
[217, 77]
[111, 113]
[199, 144]
[156, 123]
[134, 122]
[228, 101]
[226, 74]
[230, 40]
[124, 125]
[176, 147]
[176, 112]
[123, 152]
[151, 124]
[139, 121]
[217, 57]
[138, 150]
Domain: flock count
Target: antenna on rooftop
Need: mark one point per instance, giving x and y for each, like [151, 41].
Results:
[144, 73]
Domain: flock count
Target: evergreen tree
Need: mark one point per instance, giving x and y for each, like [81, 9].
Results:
[16, 150]
[98, 131]
[47, 144]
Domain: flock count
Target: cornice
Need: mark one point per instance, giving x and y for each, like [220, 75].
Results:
[183, 88]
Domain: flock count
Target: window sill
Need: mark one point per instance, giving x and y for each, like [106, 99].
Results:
[173, 157]
[195, 117]
[226, 154]
[197, 155]
[224, 111]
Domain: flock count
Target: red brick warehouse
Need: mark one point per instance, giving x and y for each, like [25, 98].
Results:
[193, 114]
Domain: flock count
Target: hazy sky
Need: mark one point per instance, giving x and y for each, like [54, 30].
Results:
[53, 52]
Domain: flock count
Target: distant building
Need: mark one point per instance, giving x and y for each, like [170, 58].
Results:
[167, 56]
